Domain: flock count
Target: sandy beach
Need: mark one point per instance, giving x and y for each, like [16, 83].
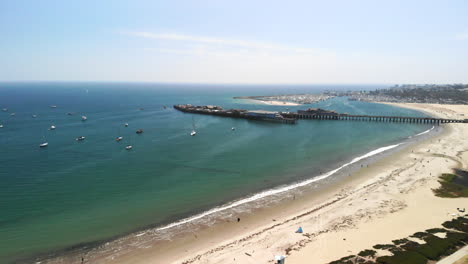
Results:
[278, 103]
[390, 199]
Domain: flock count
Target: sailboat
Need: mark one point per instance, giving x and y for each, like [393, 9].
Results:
[193, 133]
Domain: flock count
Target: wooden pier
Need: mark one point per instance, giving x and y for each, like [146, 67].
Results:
[311, 113]
[403, 119]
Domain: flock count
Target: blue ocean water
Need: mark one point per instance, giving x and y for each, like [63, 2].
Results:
[80, 192]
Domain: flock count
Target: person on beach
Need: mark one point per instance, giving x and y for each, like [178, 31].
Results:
[238, 219]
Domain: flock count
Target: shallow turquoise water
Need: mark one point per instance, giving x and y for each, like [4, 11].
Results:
[71, 193]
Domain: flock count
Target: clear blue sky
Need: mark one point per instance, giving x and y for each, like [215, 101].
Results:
[238, 41]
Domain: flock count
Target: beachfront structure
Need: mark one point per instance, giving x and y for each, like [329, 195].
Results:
[262, 114]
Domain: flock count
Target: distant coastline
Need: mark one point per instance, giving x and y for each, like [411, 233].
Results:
[287, 99]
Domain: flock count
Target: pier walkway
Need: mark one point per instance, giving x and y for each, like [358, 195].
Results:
[406, 119]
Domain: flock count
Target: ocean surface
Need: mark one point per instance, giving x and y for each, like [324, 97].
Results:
[73, 193]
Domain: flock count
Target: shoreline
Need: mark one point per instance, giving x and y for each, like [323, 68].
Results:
[71, 254]
[192, 245]
[270, 102]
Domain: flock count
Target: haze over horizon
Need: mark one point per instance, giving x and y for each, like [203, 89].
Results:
[261, 42]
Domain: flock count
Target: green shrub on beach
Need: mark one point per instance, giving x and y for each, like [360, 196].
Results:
[460, 224]
[400, 241]
[384, 246]
[420, 235]
[367, 253]
[344, 260]
[449, 189]
[403, 257]
[436, 230]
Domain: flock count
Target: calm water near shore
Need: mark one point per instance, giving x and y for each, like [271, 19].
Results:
[79, 192]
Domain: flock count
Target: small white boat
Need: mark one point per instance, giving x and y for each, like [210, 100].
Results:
[34, 116]
[129, 147]
[126, 124]
[5, 109]
[13, 114]
[53, 106]
[80, 138]
[43, 145]
[118, 138]
[1, 126]
[193, 133]
[52, 127]
[233, 128]
[83, 118]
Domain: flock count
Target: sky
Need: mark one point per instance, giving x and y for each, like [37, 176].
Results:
[245, 42]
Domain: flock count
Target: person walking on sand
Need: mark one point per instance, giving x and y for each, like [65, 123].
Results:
[238, 219]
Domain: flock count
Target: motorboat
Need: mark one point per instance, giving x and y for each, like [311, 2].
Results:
[80, 138]
[193, 133]
[84, 118]
[118, 138]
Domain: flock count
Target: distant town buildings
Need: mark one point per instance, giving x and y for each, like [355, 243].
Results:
[403, 93]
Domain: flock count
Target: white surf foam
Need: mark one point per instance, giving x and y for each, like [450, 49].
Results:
[427, 131]
[276, 190]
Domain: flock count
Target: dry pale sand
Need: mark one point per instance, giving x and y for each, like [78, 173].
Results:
[390, 199]
[280, 103]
